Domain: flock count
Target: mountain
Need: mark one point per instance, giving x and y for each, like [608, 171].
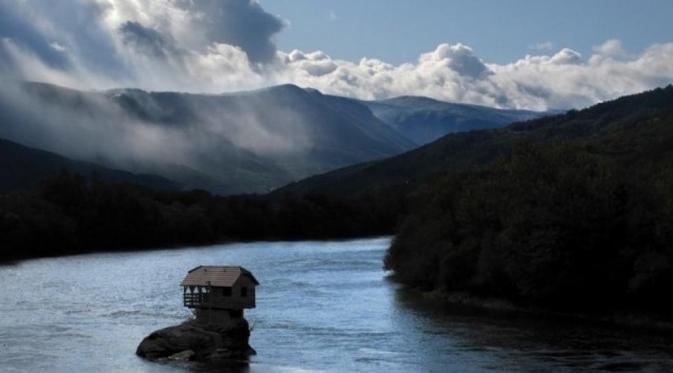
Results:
[228, 143]
[462, 151]
[22, 168]
[423, 120]
[242, 142]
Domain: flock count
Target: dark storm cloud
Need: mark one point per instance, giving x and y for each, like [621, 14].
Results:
[147, 40]
[243, 23]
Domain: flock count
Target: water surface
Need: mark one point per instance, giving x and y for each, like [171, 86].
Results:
[321, 306]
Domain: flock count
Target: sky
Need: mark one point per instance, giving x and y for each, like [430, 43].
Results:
[500, 31]
[520, 54]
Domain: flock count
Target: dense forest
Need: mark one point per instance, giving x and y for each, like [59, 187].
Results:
[71, 214]
[577, 222]
[575, 209]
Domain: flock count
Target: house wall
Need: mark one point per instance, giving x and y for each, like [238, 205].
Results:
[235, 301]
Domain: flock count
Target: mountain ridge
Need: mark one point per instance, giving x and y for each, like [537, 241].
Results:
[241, 142]
[469, 149]
[228, 143]
[424, 119]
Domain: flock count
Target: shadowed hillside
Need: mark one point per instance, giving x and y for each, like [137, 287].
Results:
[577, 215]
[23, 168]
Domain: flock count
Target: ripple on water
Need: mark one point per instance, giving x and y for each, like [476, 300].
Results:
[624, 366]
[125, 314]
[322, 307]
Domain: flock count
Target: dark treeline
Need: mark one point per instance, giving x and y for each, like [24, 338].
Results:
[71, 214]
[576, 211]
[574, 224]
[572, 210]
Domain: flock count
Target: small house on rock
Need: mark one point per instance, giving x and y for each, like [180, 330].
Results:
[219, 294]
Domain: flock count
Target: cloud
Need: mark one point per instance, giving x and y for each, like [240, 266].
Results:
[566, 56]
[146, 40]
[561, 80]
[242, 23]
[217, 46]
[183, 138]
[115, 138]
[611, 48]
[458, 58]
[94, 34]
[16, 27]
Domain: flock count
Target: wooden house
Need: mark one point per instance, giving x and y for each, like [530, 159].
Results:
[219, 293]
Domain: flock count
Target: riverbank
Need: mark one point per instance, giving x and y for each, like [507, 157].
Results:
[643, 321]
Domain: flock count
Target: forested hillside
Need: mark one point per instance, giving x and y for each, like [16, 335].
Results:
[583, 218]
[72, 214]
[467, 150]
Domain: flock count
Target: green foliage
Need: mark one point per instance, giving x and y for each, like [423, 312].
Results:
[71, 214]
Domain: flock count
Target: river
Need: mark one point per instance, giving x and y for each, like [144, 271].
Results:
[321, 306]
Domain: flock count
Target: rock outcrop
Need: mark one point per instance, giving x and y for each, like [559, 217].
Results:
[192, 340]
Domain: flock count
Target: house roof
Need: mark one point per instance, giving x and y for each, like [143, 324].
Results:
[218, 276]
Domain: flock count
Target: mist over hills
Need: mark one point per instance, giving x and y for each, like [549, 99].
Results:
[244, 142]
[633, 133]
[23, 168]
[230, 143]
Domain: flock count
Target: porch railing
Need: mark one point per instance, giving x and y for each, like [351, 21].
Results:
[195, 300]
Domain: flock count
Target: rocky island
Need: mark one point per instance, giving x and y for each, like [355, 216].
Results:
[219, 332]
[192, 340]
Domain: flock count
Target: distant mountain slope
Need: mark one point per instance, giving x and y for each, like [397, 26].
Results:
[578, 217]
[22, 168]
[230, 143]
[424, 120]
[461, 151]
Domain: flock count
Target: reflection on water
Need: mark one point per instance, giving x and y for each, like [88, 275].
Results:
[322, 306]
[525, 343]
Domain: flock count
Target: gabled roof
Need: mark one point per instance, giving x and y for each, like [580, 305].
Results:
[218, 276]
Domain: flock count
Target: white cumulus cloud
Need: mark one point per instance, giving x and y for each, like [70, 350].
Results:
[227, 45]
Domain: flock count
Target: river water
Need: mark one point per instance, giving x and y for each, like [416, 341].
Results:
[321, 306]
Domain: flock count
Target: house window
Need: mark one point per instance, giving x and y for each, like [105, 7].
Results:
[244, 291]
[226, 292]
